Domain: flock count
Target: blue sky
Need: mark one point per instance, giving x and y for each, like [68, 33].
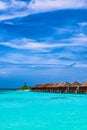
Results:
[42, 41]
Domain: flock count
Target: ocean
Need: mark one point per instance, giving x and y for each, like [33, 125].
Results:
[23, 110]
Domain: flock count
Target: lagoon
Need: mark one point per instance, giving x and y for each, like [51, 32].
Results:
[23, 110]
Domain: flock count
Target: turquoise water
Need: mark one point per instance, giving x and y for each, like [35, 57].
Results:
[42, 111]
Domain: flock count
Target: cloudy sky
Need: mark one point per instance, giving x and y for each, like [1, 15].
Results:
[42, 41]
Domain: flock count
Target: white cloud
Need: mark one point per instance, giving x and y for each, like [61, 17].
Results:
[9, 23]
[42, 60]
[13, 9]
[46, 46]
[18, 63]
[80, 65]
[3, 5]
[11, 69]
[16, 9]
[49, 5]
[80, 39]
[59, 59]
[63, 30]
[83, 24]
[26, 44]
[18, 4]
[17, 58]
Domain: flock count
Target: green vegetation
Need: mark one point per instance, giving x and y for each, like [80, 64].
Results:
[25, 87]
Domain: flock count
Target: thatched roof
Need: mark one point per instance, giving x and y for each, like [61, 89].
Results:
[67, 84]
[45, 85]
[84, 84]
[41, 85]
[75, 84]
[38, 85]
[49, 85]
[55, 85]
[61, 84]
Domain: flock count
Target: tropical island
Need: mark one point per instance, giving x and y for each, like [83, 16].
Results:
[24, 88]
[61, 87]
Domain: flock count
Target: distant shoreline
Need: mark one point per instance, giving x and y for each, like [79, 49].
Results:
[8, 88]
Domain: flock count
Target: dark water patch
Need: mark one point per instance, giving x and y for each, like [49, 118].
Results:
[78, 96]
[6, 91]
[58, 98]
[2, 92]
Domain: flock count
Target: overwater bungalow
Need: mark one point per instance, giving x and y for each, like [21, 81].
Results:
[48, 87]
[67, 87]
[83, 88]
[53, 87]
[36, 87]
[40, 87]
[73, 88]
[62, 88]
[67, 84]
[45, 87]
[56, 88]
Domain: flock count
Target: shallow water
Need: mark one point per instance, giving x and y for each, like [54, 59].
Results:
[42, 111]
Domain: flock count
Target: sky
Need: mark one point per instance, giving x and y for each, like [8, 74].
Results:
[42, 41]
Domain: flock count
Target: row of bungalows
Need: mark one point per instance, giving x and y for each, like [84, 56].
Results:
[67, 87]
